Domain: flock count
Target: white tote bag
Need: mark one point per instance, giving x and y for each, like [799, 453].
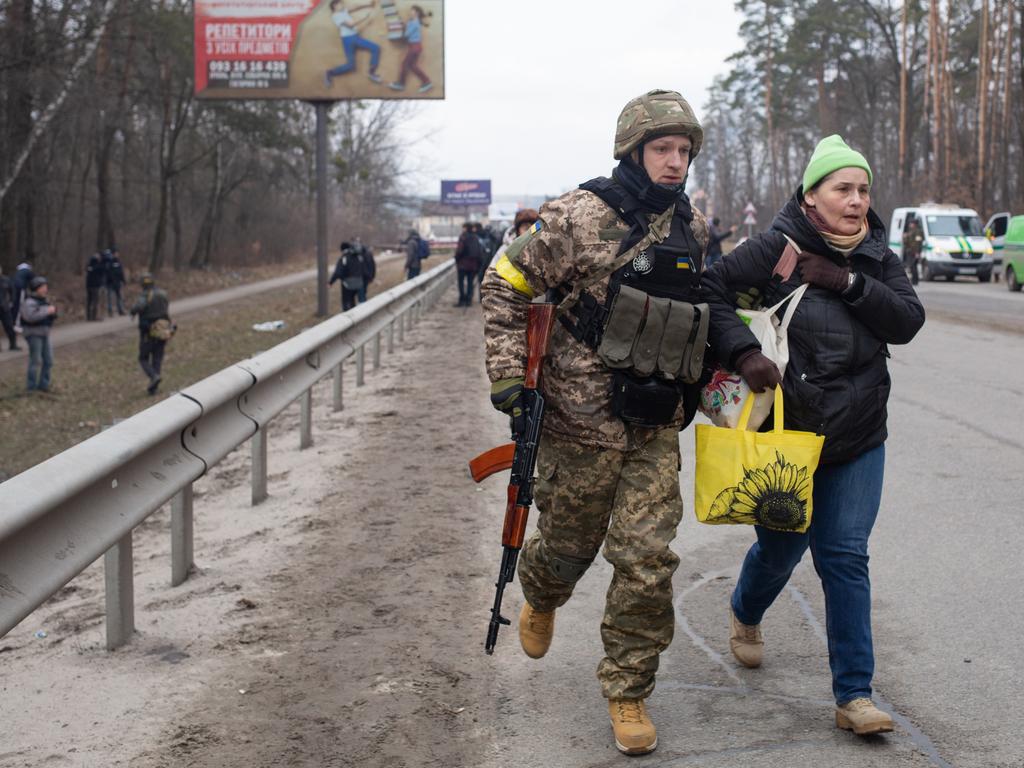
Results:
[723, 397]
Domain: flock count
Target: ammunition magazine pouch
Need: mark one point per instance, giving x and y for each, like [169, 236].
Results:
[650, 336]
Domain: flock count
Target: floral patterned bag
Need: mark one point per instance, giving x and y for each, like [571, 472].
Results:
[756, 478]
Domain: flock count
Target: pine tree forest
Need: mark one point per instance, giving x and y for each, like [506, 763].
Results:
[929, 90]
[102, 142]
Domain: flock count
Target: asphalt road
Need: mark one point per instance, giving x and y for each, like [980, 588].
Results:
[982, 305]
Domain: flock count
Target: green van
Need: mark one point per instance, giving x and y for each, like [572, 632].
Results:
[1013, 253]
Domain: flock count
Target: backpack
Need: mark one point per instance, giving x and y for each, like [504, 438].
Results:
[422, 249]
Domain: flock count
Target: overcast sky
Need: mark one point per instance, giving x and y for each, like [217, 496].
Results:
[534, 88]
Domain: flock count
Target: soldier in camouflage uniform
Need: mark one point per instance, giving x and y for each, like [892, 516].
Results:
[606, 474]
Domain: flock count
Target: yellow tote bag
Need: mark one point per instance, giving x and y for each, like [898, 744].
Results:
[756, 478]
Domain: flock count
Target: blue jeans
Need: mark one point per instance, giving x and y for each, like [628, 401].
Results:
[466, 286]
[411, 272]
[351, 44]
[39, 352]
[846, 500]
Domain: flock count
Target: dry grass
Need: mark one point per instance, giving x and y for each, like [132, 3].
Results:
[100, 381]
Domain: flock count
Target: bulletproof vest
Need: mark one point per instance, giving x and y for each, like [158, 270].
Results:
[671, 269]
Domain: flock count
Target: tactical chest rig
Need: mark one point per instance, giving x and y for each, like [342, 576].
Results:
[649, 330]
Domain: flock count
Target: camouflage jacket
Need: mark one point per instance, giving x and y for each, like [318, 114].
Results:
[578, 235]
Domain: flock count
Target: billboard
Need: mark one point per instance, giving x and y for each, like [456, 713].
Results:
[319, 50]
[471, 192]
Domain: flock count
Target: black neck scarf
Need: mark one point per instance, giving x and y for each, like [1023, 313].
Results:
[652, 198]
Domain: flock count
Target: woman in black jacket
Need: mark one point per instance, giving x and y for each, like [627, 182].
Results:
[836, 384]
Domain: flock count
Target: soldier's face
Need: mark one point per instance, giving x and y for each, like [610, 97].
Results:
[667, 158]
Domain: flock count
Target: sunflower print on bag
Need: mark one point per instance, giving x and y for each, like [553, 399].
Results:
[774, 496]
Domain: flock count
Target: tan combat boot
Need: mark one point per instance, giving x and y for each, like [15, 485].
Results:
[535, 631]
[634, 731]
[863, 718]
[746, 642]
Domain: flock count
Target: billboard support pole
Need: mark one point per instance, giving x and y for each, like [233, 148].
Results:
[321, 207]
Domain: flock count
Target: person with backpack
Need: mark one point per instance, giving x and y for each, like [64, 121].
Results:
[155, 329]
[469, 254]
[608, 461]
[349, 269]
[115, 280]
[416, 250]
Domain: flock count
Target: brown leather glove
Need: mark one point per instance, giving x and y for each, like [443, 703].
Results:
[758, 371]
[822, 272]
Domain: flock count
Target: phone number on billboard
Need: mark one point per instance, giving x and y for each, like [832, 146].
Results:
[248, 74]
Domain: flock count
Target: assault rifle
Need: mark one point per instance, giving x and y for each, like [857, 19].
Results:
[521, 457]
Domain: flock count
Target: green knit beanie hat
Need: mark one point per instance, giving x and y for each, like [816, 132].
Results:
[831, 154]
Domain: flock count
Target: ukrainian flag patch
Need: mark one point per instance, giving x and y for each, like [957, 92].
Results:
[536, 227]
[684, 262]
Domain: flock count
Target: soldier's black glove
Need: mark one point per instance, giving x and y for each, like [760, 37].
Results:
[822, 272]
[507, 397]
[758, 371]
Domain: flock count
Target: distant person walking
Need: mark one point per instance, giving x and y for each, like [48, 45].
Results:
[349, 269]
[95, 279]
[115, 280]
[416, 250]
[369, 266]
[6, 303]
[37, 316]
[468, 256]
[912, 242]
[352, 40]
[155, 329]
[22, 277]
[715, 238]
[413, 35]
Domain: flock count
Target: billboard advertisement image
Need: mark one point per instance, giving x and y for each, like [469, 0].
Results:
[468, 192]
[319, 50]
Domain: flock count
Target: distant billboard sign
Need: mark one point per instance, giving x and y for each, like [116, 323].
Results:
[319, 50]
[470, 192]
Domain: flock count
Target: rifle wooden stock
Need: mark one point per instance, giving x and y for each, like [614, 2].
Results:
[538, 332]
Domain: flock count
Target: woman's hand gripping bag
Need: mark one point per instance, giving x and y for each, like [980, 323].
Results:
[723, 397]
[756, 478]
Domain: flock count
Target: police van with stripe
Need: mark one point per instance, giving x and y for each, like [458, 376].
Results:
[954, 241]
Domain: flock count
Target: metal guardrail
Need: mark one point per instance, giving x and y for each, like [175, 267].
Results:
[60, 516]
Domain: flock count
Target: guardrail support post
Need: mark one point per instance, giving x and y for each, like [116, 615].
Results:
[181, 535]
[376, 351]
[391, 337]
[120, 588]
[339, 383]
[259, 466]
[361, 366]
[306, 419]
[401, 326]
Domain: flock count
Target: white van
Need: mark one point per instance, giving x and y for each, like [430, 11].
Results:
[954, 241]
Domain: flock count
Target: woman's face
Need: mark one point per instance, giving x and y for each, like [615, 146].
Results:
[842, 199]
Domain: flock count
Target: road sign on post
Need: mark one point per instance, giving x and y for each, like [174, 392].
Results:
[751, 218]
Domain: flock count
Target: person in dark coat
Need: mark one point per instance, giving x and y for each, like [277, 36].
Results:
[469, 254]
[369, 266]
[22, 277]
[351, 270]
[95, 279]
[836, 384]
[155, 328]
[715, 238]
[6, 304]
[114, 271]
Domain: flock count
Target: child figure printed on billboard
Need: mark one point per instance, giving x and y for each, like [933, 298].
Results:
[413, 34]
[352, 41]
[300, 49]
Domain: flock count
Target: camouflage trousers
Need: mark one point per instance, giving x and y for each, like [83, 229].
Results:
[630, 501]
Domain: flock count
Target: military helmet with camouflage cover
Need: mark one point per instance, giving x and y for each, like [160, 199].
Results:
[656, 113]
